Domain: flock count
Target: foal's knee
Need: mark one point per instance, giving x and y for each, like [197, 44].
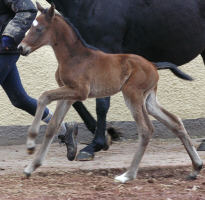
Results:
[178, 128]
[145, 140]
[146, 135]
[51, 129]
[43, 99]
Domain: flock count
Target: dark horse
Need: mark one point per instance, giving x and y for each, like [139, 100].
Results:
[158, 30]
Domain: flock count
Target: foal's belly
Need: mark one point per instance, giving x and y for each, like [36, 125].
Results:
[103, 91]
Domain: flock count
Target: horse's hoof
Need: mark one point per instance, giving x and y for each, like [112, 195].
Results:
[108, 142]
[201, 147]
[84, 156]
[30, 150]
[114, 133]
[70, 140]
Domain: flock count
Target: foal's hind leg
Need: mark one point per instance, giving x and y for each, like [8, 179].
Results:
[175, 124]
[52, 128]
[202, 145]
[136, 104]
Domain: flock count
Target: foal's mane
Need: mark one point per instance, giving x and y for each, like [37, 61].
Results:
[85, 44]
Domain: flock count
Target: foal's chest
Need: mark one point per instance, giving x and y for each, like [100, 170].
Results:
[72, 75]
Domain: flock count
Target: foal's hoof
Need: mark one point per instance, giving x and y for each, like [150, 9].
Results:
[71, 140]
[123, 178]
[84, 156]
[201, 147]
[30, 150]
[191, 177]
[27, 174]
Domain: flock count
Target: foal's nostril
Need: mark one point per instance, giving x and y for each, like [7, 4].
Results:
[20, 49]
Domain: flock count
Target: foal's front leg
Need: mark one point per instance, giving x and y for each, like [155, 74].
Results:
[53, 126]
[45, 99]
[34, 128]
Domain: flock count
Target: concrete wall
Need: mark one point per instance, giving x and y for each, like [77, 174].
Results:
[183, 98]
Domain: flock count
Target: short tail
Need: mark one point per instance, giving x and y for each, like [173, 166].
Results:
[174, 69]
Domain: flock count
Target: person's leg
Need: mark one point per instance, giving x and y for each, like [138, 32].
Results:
[14, 89]
[6, 65]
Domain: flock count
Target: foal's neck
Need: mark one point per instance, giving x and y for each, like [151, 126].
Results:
[66, 42]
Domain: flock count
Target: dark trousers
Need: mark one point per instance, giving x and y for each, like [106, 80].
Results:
[11, 83]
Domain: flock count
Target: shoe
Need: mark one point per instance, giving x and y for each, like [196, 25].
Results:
[201, 147]
[70, 139]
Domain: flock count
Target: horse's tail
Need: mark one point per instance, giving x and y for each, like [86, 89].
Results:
[174, 69]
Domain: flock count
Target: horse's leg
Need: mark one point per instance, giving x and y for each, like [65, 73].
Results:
[136, 104]
[203, 55]
[176, 125]
[99, 142]
[201, 147]
[53, 126]
[88, 119]
[90, 122]
[102, 106]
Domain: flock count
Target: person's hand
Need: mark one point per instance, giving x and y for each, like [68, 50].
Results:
[8, 43]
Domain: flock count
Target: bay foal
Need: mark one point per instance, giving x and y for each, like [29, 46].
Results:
[89, 73]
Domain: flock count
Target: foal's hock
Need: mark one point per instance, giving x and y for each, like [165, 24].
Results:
[85, 72]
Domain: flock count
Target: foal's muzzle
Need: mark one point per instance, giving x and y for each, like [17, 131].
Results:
[23, 49]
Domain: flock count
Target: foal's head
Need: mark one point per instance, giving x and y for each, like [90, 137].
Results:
[40, 31]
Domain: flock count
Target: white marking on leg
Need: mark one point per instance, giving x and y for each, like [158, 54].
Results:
[122, 178]
[30, 143]
[29, 169]
[139, 113]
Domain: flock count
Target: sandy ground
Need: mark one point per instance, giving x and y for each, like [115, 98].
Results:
[162, 174]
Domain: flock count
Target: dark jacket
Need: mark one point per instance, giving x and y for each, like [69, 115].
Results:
[16, 17]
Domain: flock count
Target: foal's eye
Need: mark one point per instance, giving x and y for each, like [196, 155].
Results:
[39, 30]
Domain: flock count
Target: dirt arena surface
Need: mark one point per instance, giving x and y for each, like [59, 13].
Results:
[162, 174]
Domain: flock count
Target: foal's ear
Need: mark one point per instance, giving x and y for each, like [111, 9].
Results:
[39, 7]
[51, 11]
